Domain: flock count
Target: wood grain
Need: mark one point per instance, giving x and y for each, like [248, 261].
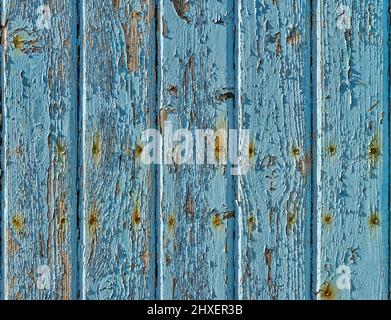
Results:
[196, 209]
[117, 104]
[352, 149]
[39, 156]
[273, 80]
[309, 79]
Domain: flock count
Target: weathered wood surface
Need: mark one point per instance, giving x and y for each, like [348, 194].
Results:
[117, 103]
[352, 149]
[274, 102]
[196, 213]
[309, 78]
[39, 102]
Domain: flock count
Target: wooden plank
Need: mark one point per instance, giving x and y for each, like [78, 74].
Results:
[274, 103]
[39, 156]
[196, 205]
[353, 145]
[2, 28]
[118, 99]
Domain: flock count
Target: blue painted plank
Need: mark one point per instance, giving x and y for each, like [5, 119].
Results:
[352, 123]
[39, 157]
[2, 29]
[196, 207]
[195, 231]
[274, 102]
[117, 104]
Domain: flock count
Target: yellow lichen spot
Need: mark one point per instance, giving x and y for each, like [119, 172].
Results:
[93, 222]
[374, 220]
[61, 148]
[327, 219]
[17, 222]
[138, 150]
[18, 41]
[96, 148]
[217, 221]
[374, 150]
[295, 152]
[251, 222]
[291, 218]
[327, 292]
[251, 150]
[62, 222]
[136, 216]
[331, 149]
[171, 222]
[219, 148]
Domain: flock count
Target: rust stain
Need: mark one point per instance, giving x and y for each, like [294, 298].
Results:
[219, 149]
[217, 221]
[374, 220]
[171, 222]
[327, 292]
[136, 216]
[138, 151]
[295, 152]
[18, 224]
[374, 151]
[331, 149]
[252, 151]
[327, 219]
[93, 222]
[251, 222]
[96, 148]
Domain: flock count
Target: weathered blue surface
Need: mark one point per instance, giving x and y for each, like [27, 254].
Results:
[274, 100]
[196, 213]
[39, 103]
[117, 189]
[352, 166]
[309, 78]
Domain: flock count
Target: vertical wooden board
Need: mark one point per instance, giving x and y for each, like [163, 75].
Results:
[274, 103]
[196, 92]
[352, 152]
[39, 156]
[118, 99]
[2, 23]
